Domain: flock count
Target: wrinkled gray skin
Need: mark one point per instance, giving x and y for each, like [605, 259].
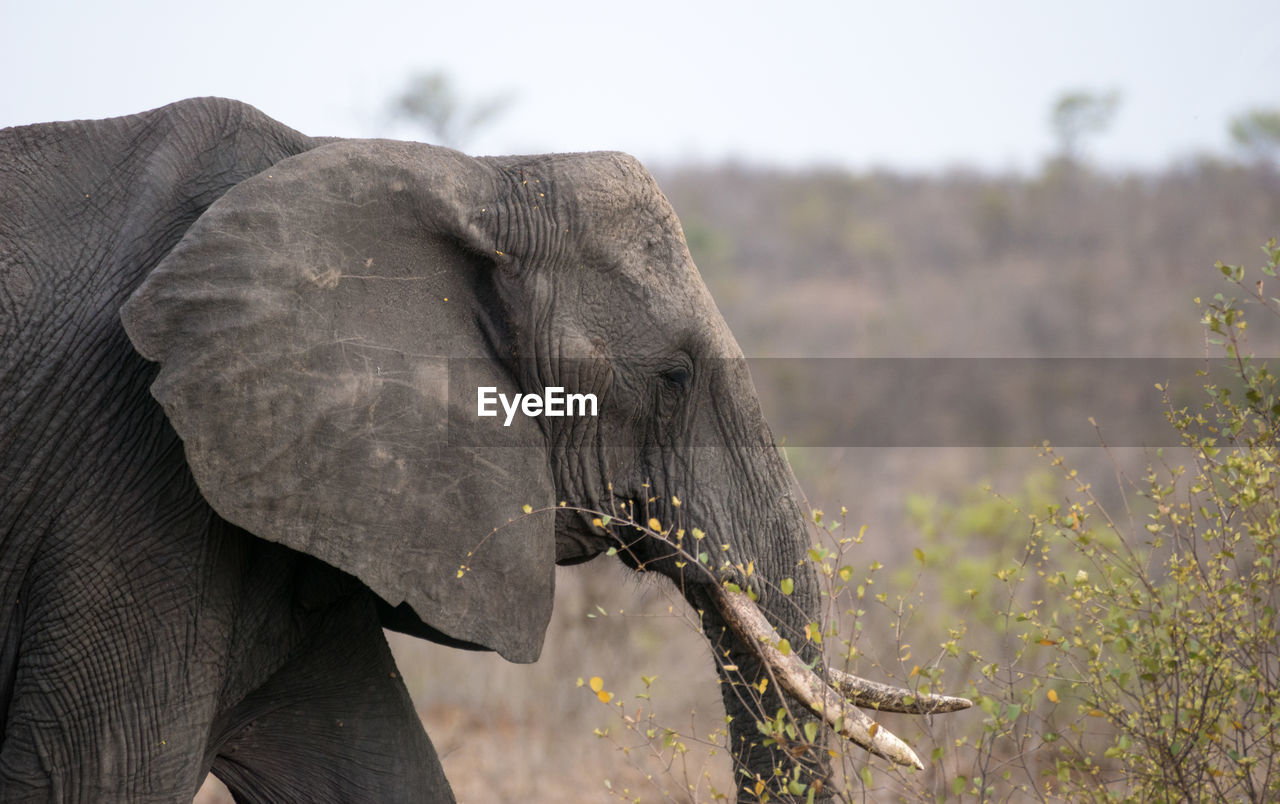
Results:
[225, 453]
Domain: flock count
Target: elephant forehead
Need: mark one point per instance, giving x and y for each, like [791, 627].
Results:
[602, 199]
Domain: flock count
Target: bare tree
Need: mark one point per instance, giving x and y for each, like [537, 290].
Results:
[1077, 114]
[430, 100]
[1257, 132]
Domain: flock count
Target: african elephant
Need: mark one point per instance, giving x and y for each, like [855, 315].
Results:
[241, 435]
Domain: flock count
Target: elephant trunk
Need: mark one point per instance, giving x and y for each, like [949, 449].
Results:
[751, 698]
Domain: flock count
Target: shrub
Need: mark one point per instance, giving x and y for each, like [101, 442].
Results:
[1171, 638]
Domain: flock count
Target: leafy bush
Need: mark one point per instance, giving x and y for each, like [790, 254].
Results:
[1136, 656]
[1171, 638]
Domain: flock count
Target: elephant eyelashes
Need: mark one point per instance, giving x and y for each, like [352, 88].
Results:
[677, 378]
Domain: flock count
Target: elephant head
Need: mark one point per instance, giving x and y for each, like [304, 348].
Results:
[322, 333]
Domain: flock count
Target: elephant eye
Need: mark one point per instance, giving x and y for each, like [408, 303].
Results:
[677, 377]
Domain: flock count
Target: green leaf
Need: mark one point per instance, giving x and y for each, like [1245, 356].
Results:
[788, 586]
[811, 731]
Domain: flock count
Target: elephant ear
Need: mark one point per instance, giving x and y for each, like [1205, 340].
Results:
[306, 328]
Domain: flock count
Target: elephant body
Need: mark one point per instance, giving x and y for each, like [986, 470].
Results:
[238, 438]
[126, 672]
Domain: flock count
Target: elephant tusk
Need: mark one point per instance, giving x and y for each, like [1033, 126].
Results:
[750, 624]
[874, 695]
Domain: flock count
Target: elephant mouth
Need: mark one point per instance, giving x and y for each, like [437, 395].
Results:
[835, 699]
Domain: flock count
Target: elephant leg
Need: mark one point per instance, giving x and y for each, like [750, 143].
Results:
[334, 724]
[102, 702]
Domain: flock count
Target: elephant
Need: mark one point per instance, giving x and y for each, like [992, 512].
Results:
[240, 438]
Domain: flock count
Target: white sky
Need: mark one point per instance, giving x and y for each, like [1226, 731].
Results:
[913, 86]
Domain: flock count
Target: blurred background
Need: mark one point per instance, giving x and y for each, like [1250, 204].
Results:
[988, 179]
